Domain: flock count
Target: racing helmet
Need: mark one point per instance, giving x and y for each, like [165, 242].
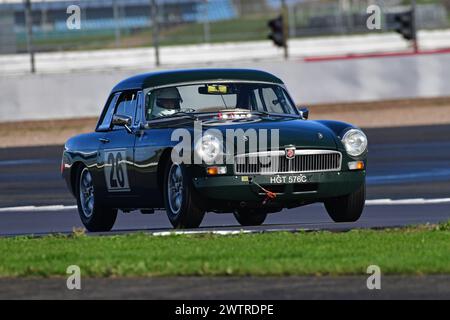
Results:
[168, 98]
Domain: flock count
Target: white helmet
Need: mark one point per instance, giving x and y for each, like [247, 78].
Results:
[168, 94]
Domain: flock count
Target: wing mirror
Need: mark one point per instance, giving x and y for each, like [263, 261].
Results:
[122, 121]
[304, 112]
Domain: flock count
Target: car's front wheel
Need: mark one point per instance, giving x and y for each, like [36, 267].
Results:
[95, 218]
[347, 208]
[180, 198]
[250, 217]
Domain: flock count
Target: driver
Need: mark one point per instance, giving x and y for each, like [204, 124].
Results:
[167, 102]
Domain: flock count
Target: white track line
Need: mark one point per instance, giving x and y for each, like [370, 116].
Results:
[25, 162]
[375, 202]
[390, 202]
[36, 208]
[216, 232]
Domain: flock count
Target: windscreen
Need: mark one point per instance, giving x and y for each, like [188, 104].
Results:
[212, 97]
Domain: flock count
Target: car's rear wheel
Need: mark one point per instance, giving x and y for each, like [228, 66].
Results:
[347, 208]
[248, 217]
[180, 198]
[95, 218]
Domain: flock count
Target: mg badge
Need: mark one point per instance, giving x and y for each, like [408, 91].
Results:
[320, 135]
[290, 153]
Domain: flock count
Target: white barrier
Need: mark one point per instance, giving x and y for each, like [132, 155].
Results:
[82, 94]
[188, 55]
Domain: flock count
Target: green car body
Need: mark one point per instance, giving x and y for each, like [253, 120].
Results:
[318, 166]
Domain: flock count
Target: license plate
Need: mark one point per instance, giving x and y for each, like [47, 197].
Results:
[296, 178]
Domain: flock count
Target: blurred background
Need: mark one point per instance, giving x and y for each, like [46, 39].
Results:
[69, 68]
[127, 23]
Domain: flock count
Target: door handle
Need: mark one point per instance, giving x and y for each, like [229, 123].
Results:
[139, 133]
[104, 140]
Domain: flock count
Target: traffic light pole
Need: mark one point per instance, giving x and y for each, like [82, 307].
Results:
[406, 25]
[155, 27]
[116, 15]
[29, 23]
[414, 26]
[206, 27]
[284, 14]
[279, 28]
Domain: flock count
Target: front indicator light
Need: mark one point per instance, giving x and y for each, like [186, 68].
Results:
[214, 171]
[356, 165]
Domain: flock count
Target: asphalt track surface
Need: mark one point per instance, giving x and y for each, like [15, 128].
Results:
[231, 288]
[404, 163]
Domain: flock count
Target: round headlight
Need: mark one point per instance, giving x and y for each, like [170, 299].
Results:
[208, 148]
[355, 142]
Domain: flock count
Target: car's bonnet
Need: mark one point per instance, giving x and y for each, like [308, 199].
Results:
[292, 132]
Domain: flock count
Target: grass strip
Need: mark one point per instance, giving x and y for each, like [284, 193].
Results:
[413, 250]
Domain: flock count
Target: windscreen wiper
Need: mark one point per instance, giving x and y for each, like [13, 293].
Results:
[177, 115]
[279, 115]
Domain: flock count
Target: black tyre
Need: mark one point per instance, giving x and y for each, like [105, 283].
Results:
[180, 198]
[347, 208]
[94, 217]
[250, 217]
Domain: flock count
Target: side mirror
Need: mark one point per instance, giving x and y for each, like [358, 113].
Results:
[122, 121]
[304, 112]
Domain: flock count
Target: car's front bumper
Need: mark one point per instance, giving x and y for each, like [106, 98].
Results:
[292, 191]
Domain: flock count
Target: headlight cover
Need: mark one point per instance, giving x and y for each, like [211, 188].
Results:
[208, 148]
[355, 142]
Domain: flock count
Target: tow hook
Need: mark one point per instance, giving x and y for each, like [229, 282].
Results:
[269, 195]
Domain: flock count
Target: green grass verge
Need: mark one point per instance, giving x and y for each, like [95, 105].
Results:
[419, 250]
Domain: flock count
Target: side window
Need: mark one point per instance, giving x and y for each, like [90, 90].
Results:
[273, 103]
[140, 103]
[108, 113]
[126, 106]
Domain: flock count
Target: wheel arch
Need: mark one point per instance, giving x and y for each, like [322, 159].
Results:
[162, 164]
[338, 127]
[73, 175]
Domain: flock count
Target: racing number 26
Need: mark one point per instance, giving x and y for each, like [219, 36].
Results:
[116, 170]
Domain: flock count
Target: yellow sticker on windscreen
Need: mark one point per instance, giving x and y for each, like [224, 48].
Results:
[220, 89]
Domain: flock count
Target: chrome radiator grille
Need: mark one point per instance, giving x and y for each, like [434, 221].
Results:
[275, 162]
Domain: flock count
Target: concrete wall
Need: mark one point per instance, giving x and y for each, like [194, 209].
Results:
[51, 96]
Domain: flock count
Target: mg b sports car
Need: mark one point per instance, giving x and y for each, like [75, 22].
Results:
[131, 161]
